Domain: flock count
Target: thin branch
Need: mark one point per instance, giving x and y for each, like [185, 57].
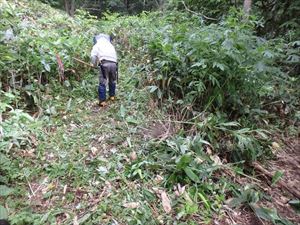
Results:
[31, 190]
[198, 14]
[93, 9]
[280, 183]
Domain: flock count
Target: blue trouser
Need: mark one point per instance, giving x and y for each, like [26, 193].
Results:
[108, 71]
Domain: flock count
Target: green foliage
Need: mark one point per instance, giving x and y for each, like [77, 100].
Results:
[211, 67]
[211, 8]
[221, 77]
[295, 203]
[99, 8]
[32, 36]
[215, 78]
[18, 127]
[250, 197]
[3, 213]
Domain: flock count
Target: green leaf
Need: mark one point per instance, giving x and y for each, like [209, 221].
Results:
[131, 120]
[183, 149]
[69, 104]
[265, 213]
[184, 162]
[219, 65]
[269, 214]
[84, 218]
[149, 195]
[5, 191]
[122, 111]
[200, 63]
[191, 208]
[204, 200]
[260, 66]
[295, 204]
[46, 66]
[230, 124]
[189, 172]
[3, 213]
[268, 54]
[4, 161]
[152, 88]
[293, 59]
[276, 177]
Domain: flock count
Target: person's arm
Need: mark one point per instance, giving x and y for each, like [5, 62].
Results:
[94, 56]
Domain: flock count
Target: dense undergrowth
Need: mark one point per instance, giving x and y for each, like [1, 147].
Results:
[225, 80]
[34, 39]
[224, 91]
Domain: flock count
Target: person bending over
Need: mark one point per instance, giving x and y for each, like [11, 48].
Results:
[104, 55]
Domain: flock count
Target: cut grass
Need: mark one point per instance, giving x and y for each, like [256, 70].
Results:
[76, 172]
[102, 166]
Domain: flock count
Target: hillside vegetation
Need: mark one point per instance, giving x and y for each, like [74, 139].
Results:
[205, 129]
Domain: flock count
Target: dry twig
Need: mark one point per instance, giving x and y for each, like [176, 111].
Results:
[280, 183]
[199, 14]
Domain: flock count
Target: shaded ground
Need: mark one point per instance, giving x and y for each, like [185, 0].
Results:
[287, 161]
[276, 196]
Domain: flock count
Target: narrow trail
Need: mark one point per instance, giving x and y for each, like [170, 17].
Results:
[82, 168]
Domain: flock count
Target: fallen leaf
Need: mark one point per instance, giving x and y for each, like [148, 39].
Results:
[94, 150]
[113, 150]
[101, 138]
[179, 190]
[158, 179]
[166, 203]
[102, 170]
[75, 220]
[275, 147]
[65, 189]
[131, 205]
[208, 150]
[133, 156]
[156, 190]
[199, 160]
[216, 159]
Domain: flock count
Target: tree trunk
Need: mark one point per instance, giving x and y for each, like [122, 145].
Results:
[247, 7]
[67, 6]
[126, 3]
[72, 8]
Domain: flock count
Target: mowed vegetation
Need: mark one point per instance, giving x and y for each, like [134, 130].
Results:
[205, 129]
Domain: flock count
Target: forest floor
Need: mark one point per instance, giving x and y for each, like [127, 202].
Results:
[88, 169]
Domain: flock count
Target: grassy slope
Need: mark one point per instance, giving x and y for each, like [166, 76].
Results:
[84, 169]
[79, 168]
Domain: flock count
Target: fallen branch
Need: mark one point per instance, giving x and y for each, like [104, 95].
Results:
[84, 63]
[291, 190]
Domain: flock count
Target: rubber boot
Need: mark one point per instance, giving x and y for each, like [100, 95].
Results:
[102, 104]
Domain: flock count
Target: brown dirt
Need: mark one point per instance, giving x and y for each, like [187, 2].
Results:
[276, 196]
[161, 130]
[288, 161]
[242, 216]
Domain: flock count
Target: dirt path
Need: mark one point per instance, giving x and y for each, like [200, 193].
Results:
[80, 172]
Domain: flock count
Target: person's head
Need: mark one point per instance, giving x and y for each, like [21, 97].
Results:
[99, 36]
